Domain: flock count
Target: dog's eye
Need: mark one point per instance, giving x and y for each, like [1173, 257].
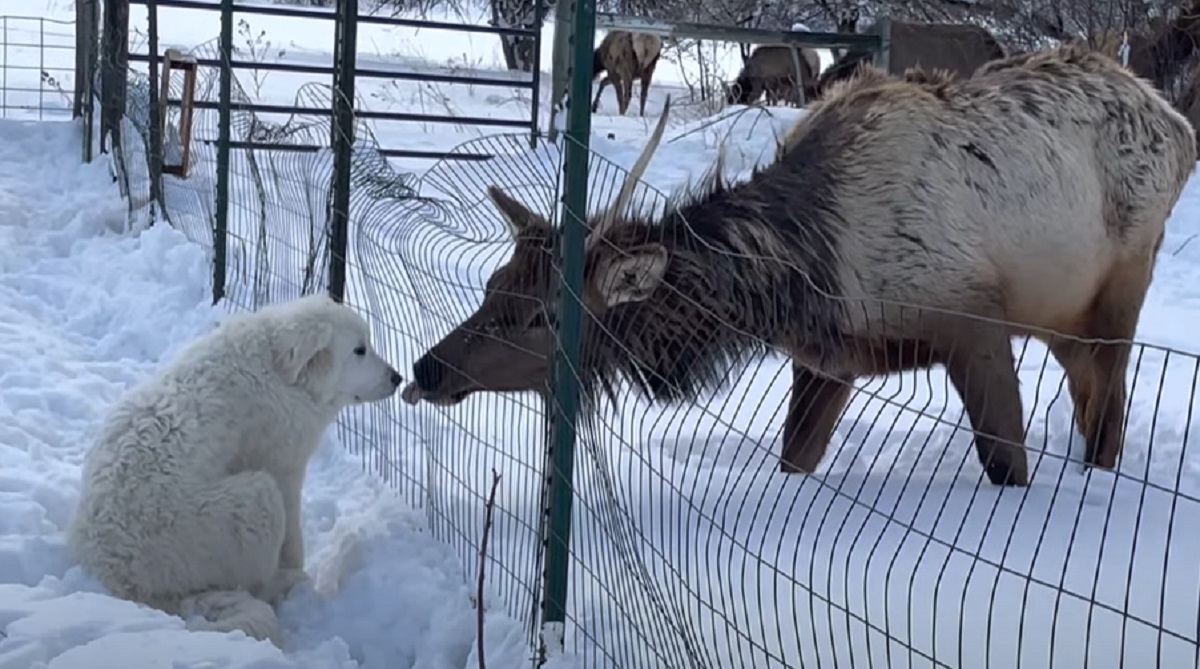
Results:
[361, 350]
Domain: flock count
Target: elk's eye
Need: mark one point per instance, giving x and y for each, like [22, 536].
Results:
[361, 350]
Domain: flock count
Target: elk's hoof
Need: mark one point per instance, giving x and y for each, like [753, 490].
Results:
[1006, 475]
[792, 468]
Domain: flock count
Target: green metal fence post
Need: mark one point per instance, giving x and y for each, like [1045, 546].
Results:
[345, 44]
[560, 64]
[87, 39]
[224, 121]
[884, 54]
[560, 462]
[536, 92]
[157, 110]
[114, 86]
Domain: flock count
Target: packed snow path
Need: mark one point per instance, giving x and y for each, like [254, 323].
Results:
[86, 310]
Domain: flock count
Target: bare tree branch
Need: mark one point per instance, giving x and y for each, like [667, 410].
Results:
[489, 509]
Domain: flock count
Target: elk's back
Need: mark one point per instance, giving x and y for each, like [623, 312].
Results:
[1021, 187]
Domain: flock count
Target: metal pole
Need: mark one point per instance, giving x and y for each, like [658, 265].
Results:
[89, 28]
[157, 113]
[560, 64]
[81, 24]
[224, 121]
[565, 387]
[885, 44]
[345, 44]
[535, 93]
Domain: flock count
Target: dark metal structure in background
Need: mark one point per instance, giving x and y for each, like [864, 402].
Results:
[344, 73]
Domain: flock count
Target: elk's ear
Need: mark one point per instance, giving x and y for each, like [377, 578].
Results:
[630, 276]
[516, 214]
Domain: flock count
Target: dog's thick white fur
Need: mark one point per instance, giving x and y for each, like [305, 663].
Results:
[191, 496]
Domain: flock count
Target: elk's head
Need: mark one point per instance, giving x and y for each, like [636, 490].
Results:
[508, 343]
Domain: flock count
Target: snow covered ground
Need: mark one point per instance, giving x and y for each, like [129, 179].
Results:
[85, 311]
[712, 553]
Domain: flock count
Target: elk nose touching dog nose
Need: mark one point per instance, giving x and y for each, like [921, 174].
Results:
[396, 378]
[427, 372]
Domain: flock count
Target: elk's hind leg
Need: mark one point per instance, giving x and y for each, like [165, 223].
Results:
[625, 88]
[813, 412]
[1114, 316]
[646, 75]
[981, 368]
[1076, 360]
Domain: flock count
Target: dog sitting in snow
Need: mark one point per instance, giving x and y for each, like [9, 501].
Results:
[191, 496]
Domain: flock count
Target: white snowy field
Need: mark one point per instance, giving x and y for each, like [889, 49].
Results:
[690, 548]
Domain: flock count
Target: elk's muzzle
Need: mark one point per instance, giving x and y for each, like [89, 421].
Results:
[428, 373]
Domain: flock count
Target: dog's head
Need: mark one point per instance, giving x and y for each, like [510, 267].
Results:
[325, 347]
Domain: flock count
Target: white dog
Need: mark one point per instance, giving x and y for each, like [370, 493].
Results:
[191, 495]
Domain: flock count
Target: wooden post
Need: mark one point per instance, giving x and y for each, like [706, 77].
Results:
[177, 60]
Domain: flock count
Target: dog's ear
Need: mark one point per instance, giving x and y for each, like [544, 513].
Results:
[303, 346]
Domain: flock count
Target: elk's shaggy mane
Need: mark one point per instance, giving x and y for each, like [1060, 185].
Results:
[755, 256]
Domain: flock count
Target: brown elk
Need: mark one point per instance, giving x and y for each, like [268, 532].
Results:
[907, 222]
[625, 55]
[772, 69]
[957, 48]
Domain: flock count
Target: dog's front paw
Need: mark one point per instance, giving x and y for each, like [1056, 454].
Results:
[279, 587]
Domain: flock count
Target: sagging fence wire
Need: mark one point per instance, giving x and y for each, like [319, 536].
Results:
[690, 548]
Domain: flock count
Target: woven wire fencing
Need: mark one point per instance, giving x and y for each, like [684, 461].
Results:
[37, 67]
[278, 230]
[690, 548]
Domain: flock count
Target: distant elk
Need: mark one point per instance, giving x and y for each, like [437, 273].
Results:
[1162, 50]
[907, 222]
[625, 55]
[956, 48]
[1189, 99]
[772, 70]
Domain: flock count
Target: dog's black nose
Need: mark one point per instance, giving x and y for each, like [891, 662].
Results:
[427, 372]
[396, 378]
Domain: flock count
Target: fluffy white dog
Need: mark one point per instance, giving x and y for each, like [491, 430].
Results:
[191, 495]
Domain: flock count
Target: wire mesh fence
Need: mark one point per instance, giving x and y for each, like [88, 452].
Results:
[38, 56]
[277, 249]
[689, 547]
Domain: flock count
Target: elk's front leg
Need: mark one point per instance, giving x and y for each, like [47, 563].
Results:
[596, 102]
[813, 412]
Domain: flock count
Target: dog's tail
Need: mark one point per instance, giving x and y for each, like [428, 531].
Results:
[229, 610]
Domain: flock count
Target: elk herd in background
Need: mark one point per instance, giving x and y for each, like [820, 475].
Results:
[623, 56]
[1160, 54]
